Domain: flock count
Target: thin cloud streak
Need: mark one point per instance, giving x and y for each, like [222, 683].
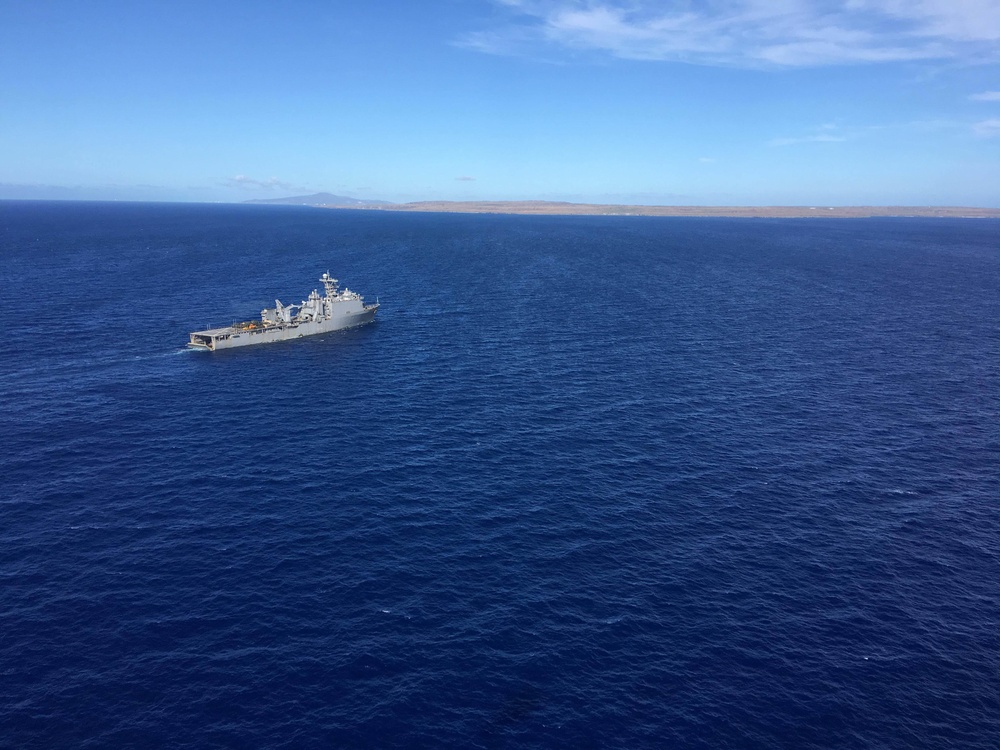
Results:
[987, 128]
[818, 138]
[986, 96]
[271, 183]
[751, 33]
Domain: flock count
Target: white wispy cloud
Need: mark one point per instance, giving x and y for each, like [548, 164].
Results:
[987, 128]
[271, 183]
[835, 133]
[465, 178]
[783, 33]
[816, 138]
[986, 96]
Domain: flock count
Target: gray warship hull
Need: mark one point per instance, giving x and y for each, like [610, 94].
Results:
[333, 312]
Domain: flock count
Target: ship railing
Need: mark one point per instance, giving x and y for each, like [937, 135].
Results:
[248, 326]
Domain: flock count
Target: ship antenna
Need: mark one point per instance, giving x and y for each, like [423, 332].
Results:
[330, 284]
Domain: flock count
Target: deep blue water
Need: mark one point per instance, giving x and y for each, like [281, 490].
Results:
[585, 483]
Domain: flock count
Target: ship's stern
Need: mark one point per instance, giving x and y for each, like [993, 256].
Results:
[199, 340]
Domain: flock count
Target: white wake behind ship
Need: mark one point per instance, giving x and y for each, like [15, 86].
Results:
[338, 309]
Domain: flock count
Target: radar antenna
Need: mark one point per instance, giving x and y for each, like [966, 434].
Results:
[330, 284]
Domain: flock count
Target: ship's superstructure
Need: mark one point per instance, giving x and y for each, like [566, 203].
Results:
[337, 309]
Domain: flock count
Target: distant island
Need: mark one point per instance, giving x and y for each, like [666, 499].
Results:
[320, 200]
[559, 208]
[775, 212]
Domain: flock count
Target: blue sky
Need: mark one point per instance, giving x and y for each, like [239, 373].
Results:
[715, 102]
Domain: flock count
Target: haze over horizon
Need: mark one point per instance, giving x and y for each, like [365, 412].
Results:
[738, 102]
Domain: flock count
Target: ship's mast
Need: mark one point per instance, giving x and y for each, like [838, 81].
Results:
[330, 284]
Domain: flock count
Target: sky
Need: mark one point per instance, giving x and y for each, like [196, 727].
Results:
[669, 102]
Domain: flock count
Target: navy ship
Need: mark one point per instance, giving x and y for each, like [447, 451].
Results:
[337, 309]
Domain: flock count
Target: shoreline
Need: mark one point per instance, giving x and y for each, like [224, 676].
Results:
[553, 208]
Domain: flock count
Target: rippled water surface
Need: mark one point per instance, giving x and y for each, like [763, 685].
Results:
[586, 482]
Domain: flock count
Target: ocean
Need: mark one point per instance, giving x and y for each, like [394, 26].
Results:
[586, 482]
